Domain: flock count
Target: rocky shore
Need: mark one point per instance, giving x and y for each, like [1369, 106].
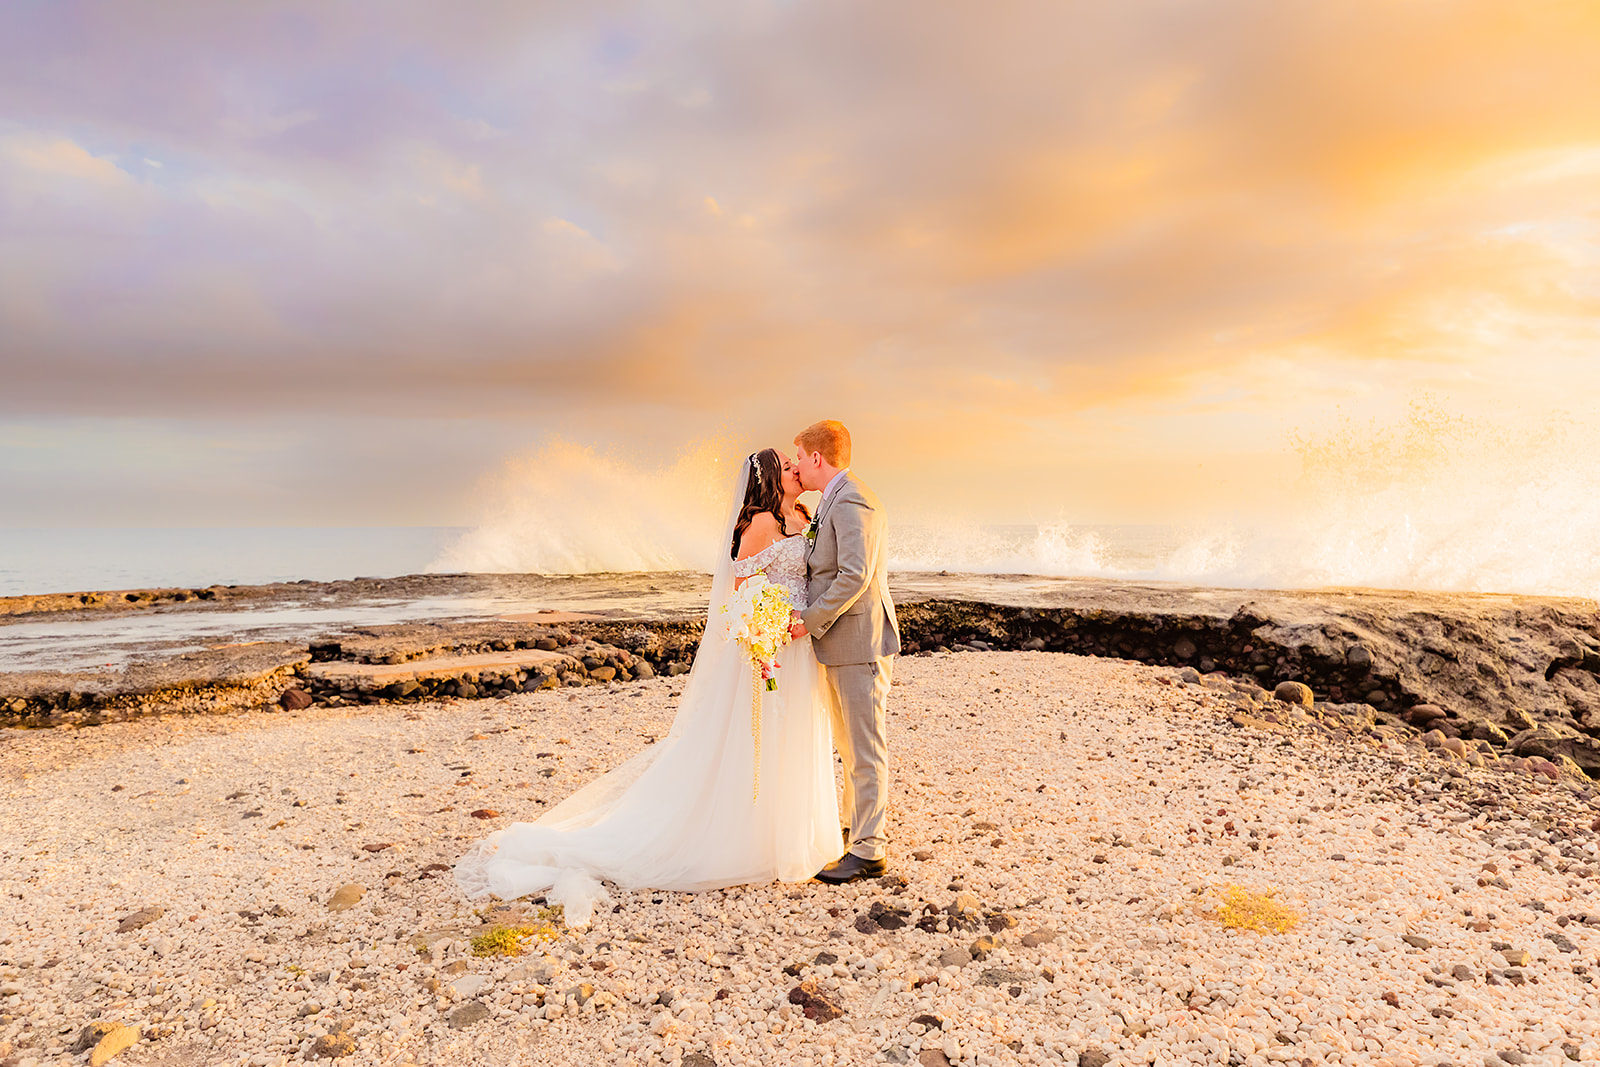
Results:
[1095, 862]
[1501, 675]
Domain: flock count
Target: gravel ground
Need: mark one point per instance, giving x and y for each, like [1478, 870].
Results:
[1084, 815]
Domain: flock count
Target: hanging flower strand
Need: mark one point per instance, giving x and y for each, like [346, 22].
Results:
[758, 619]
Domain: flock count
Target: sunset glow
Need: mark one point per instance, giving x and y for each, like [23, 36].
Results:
[323, 264]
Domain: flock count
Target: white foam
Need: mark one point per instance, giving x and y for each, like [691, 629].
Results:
[1430, 502]
[569, 510]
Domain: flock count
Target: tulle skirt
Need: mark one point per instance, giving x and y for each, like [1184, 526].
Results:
[694, 811]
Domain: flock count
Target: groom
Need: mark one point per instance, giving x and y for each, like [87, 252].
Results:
[855, 635]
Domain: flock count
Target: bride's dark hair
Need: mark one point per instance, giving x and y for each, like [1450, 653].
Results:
[765, 493]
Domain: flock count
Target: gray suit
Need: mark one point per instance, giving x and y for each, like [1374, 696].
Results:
[855, 636]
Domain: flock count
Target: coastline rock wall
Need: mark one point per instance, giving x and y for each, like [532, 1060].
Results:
[1520, 673]
[1530, 670]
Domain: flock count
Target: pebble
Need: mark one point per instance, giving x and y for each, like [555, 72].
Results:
[346, 897]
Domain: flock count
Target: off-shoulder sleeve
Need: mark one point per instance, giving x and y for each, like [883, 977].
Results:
[752, 565]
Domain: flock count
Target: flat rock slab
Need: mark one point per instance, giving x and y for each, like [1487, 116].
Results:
[551, 618]
[230, 665]
[378, 675]
[406, 641]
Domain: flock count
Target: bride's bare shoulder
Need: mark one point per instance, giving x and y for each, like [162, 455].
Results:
[759, 535]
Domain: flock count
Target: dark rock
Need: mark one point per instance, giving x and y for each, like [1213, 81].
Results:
[982, 947]
[1093, 1057]
[1358, 656]
[1417, 941]
[698, 1059]
[1562, 942]
[294, 700]
[816, 1003]
[603, 674]
[1042, 936]
[1183, 648]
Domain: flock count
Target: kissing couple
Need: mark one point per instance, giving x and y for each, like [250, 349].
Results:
[741, 789]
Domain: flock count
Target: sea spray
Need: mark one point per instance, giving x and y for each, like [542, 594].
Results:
[570, 510]
[1431, 501]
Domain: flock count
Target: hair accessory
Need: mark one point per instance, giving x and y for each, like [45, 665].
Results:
[755, 466]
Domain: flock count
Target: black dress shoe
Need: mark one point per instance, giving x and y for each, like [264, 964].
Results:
[851, 868]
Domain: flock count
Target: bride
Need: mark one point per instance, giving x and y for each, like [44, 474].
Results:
[683, 814]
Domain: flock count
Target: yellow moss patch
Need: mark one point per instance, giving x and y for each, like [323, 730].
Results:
[1244, 910]
[507, 940]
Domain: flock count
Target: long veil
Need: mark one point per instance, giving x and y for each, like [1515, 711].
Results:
[716, 658]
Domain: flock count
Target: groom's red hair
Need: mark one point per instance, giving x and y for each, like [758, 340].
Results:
[828, 437]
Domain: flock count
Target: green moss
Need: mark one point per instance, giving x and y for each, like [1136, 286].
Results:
[508, 940]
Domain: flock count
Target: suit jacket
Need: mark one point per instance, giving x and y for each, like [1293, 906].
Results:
[849, 614]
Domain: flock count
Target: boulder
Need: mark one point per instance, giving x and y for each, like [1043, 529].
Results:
[1421, 715]
[294, 699]
[1297, 693]
[1552, 742]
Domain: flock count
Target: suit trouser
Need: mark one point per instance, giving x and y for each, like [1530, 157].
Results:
[858, 694]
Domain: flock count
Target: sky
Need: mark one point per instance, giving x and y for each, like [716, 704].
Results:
[351, 263]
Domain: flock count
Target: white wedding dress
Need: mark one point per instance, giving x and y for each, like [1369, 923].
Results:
[681, 814]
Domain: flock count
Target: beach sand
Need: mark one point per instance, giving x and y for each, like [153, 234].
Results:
[1086, 815]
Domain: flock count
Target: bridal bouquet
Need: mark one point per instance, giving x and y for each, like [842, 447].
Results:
[758, 619]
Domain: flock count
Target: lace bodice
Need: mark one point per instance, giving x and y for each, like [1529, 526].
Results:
[783, 562]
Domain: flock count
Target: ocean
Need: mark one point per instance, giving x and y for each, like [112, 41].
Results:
[604, 576]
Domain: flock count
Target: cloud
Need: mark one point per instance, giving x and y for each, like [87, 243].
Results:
[1059, 226]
